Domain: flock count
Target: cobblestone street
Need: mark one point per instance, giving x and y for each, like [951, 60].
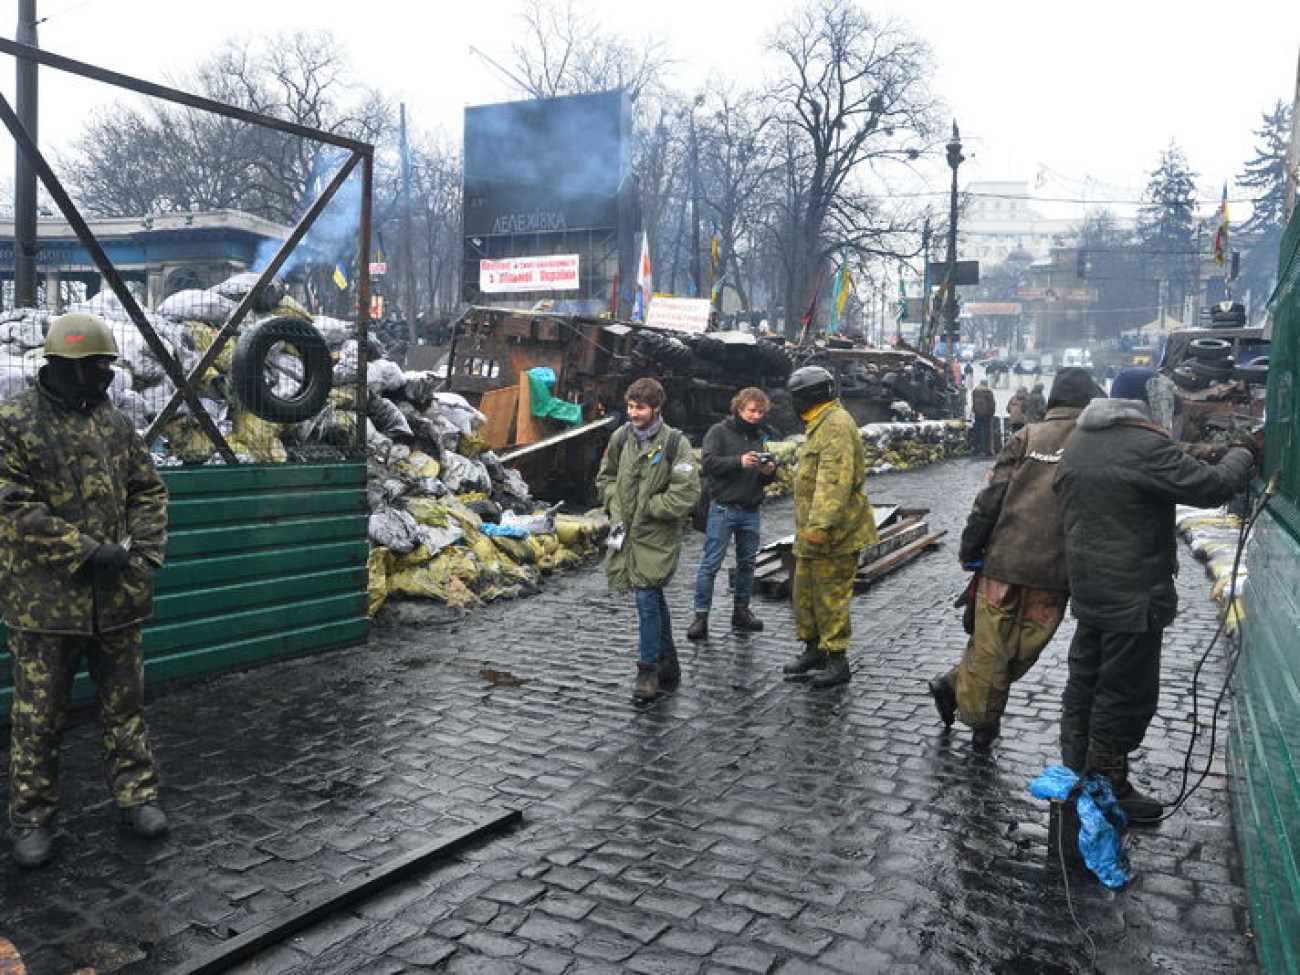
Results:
[740, 825]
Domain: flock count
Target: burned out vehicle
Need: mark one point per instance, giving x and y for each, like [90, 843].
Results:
[878, 385]
[593, 361]
[1220, 375]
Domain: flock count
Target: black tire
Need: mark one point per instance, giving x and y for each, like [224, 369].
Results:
[248, 370]
[1216, 370]
[1209, 349]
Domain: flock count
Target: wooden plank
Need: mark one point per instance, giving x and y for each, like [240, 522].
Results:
[281, 592]
[202, 571]
[528, 429]
[883, 566]
[170, 637]
[499, 406]
[241, 538]
[186, 481]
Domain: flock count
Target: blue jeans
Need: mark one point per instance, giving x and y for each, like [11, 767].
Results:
[726, 520]
[656, 628]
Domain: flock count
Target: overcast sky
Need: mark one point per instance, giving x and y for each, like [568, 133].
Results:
[1077, 99]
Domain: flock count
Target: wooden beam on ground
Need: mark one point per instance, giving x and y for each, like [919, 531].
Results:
[311, 910]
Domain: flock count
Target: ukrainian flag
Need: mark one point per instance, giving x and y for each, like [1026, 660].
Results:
[340, 278]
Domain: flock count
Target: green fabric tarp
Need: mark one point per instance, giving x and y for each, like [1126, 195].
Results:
[544, 404]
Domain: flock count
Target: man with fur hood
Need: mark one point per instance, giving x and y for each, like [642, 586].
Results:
[1015, 540]
[1118, 481]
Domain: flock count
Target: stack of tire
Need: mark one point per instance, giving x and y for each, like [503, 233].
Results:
[1209, 361]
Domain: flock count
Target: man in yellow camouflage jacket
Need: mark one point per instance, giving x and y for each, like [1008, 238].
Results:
[833, 523]
[83, 525]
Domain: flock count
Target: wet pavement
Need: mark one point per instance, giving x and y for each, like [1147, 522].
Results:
[740, 825]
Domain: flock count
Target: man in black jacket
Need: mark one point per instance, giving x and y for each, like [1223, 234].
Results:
[736, 469]
[1119, 479]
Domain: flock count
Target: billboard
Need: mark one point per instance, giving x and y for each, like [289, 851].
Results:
[545, 165]
[552, 272]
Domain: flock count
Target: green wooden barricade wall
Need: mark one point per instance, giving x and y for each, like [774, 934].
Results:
[264, 562]
[1264, 741]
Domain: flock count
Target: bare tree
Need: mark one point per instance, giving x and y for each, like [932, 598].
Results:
[160, 157]
[565, 50]
[852, 95]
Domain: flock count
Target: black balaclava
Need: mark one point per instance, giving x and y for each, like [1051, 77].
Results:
[79, 383]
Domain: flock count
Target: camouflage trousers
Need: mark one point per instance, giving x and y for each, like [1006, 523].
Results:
[823, 589]
[44, 667]
[1012, 626]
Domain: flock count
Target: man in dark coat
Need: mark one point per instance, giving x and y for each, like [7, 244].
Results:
[983, 407]
[1015, 540]
[1119, 479]
[83, 526]
[736, 470]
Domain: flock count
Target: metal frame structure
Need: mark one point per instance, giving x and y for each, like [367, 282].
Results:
[358, 153]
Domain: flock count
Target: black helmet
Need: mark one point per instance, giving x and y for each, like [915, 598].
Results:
[810, 386]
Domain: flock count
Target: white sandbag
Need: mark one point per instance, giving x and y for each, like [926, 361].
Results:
[16, 376]
[197, 306]
[456, 409]
[238, 285]
[27, 332]
[394, 529]
[335, 331]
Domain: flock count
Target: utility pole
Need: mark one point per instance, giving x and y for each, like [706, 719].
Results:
[696, 272]
[25, 243]
[408, 269]
[955, 159]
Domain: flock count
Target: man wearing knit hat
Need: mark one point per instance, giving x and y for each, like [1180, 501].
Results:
[1015, 540]
[1119, 479]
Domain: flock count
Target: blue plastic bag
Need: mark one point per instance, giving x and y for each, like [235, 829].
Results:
[1101, 820]
[507, 531]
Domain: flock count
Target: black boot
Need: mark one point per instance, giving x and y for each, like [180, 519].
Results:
[745, 621]
[1074, 745]
[982, 739]
[33, 846]
[812, 658]
[945, 698]
[1063, 832]
[1141, 809]
[699, 628]
[147, 820]
[646, 688]
[670, 671]
[835, 672]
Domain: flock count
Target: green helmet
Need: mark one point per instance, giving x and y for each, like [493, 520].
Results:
[78, 336]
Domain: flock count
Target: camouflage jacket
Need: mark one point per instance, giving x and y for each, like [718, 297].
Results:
[830, 488]
[71, 480]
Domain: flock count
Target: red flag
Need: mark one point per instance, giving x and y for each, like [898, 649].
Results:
[811, 313]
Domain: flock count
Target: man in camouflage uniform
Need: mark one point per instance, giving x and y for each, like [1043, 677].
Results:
[833, 523]
[83, 525]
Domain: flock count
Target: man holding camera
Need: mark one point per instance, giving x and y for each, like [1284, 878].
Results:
[737, 468]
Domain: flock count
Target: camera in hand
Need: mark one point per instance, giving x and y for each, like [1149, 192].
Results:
[766, 458]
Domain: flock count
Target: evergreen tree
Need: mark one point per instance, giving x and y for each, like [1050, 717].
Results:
[1265, 177]
[1167, 231]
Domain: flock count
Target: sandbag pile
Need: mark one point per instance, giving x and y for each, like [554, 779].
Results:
[1215, 537]
[889, 447]
[448, 520]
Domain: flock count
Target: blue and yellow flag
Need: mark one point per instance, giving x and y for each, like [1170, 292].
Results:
[340, 278]
[843, 285]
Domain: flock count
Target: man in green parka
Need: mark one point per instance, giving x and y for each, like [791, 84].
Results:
[648, 482]
[833, 523]
[83, 525]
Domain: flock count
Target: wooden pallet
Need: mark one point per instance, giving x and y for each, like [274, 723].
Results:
[904, 534]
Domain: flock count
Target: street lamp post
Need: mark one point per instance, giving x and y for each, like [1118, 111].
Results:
[695, 199]
[955, 159]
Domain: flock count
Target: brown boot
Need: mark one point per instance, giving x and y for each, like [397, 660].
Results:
[745, 621]
[646, 688]
[670, 671]
[699, 628]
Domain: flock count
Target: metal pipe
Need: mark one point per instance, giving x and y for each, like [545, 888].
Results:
[25, 95]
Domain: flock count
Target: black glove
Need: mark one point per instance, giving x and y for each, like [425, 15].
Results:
[110, 557]
[1247, 440]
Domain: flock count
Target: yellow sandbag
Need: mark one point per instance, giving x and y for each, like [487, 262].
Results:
[471, 445]
[378, 563]
[186, 441]
[258, 439]
[292, 308]
[414, 558]
[419, 581]
[418, 464]
[427, 511]
[344, 395]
